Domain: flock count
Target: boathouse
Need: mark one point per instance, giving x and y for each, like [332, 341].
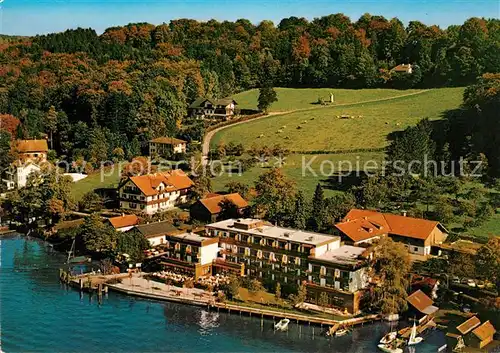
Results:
[421, 307]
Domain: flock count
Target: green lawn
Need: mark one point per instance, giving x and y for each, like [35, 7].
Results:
[322, 129]
[308, 180]
[95, 181]
[489, 228]
[303, 98]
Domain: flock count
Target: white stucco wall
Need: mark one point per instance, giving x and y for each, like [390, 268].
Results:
[156, 240]
[208, 253]
[24, 172]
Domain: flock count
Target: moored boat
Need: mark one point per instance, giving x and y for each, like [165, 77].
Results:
[341, 332]
[414, 339]
[282, 325]
[389, 348]
[389, 337]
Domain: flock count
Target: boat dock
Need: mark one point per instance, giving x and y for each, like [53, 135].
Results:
[89, 283]
[295, 317]
[138, 286]
[405, 332]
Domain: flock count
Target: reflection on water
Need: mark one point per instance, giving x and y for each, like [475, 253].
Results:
[40, 314]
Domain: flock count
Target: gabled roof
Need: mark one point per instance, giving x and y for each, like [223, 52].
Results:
[361, 225]
[468, 325]
[124, 221]
[485, 331]
[27, 146]
[417, 228]
[199, 101]
[420, 301]
[168, 140]
[173, 180]
[212, 204]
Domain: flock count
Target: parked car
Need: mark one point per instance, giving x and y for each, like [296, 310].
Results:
[471, 283]
[480, 284]
[455, 279]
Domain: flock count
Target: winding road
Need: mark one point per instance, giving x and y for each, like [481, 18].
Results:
[208, 137]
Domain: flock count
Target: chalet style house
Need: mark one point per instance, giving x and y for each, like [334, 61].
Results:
[291, 257]
[209, 209]
[164, 146]
[214, 109]
[154, 193]
[418, 235]
[33, 150]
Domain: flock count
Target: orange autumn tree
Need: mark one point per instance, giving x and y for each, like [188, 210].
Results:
[9, 123]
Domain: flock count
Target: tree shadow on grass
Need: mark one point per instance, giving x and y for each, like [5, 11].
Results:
[342, 181]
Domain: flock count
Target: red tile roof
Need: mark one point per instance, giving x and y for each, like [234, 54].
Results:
[420, 301]
[212, 204]
[485, 331]
[468, 325]
[417, 228]
[361, 225]
[124, 221]
[173, 180]
[168, 140]
[26, 146]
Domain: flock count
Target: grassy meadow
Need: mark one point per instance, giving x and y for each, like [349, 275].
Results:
[305, 98]
[322, 129]
[331, 163]
[95, 181]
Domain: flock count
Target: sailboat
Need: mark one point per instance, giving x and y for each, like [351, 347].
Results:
[414, 339]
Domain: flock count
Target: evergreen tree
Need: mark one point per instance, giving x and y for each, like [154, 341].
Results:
[318, 209]
[301, 213]
[51, 124]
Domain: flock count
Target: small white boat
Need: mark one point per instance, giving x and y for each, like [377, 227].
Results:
[282, 325]
[414, 339]
[389, 348]
[341, 332]
[389, 337]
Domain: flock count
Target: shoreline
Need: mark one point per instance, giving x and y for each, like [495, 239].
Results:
[161, 292]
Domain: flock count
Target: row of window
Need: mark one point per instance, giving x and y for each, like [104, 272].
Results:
[262, 241]
[259, 254]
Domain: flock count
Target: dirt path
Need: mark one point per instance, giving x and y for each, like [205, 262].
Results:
[208, 137]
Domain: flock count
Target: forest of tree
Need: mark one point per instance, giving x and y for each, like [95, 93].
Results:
[102, 96]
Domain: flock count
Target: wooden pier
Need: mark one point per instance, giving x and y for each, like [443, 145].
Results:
[292, 316]
[87, 282]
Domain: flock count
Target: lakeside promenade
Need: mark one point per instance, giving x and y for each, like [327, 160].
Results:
[137, 285]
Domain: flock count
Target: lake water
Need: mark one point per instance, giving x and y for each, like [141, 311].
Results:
[39, 314]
